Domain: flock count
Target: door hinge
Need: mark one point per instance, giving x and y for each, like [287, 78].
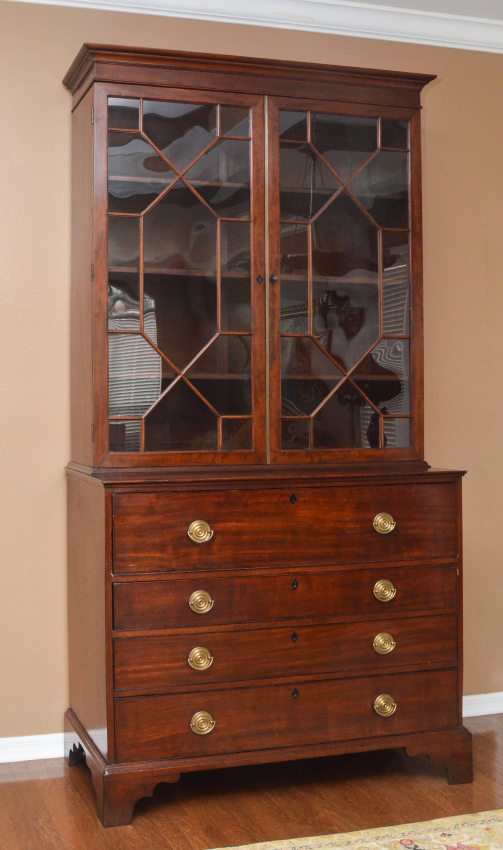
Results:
[92, 114]
[92, 271]
[92, 433]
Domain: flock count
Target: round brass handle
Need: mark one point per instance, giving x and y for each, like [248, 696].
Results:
[384, 705]
[200, 602]
[384, 523]
[384, 590]
[384, 643]
[202, 723]
[199, 531]
[200, 658]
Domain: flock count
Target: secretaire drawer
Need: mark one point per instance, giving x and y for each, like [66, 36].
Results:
[313, 525]
[290, 595]
[208, 656]
[156, 727]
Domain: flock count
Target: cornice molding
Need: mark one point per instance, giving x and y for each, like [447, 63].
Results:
[339, 17]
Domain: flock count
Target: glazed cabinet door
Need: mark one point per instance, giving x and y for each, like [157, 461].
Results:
[183, 216]
[344, 251]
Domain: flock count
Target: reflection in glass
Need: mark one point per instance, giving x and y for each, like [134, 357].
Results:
[394, 134]
[222, 178]
[295, 433]
[345, 141]
[136, 173]
[134, 375]
[180, 422]
[222, 375]
[123, 244]
[235, 247]
[306, 184]
[234, 121]
[123, 113]
[235, 285]
[384, 376]
[180, 233]
[382, 188]
[123, 273]
[294, 269]
[307, 376]
[342, 421]
[396, 433]
[236, 435]
[181, 131]
[293, 126]
[396, 286]
[125, 436]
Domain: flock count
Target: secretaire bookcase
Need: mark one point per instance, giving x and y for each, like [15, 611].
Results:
[262, 566]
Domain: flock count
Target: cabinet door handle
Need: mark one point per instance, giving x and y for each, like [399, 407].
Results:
[384, 705]
[200, 531]
[202, 723]
[200, 602]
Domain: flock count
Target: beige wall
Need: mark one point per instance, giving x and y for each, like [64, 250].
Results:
[463, 216]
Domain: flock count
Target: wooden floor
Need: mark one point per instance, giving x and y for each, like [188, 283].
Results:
[45, 805]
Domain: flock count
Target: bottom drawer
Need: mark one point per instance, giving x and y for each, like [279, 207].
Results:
[158, 727]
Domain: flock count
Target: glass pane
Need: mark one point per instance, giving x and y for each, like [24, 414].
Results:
[222, 178]
[136, 173]
[134, 375]
[222, 375]
[345, 142]
[180, 233]
[234, 121]
[339, 423]
[384, 376]
[235, 248]
[236, 278]
[396, 286]
[307, 376]
[180, 130]
[293, 126]
[236, 435]
[396, 433]
[180, 422]
[123, 244]
[123, 304]
[306, 184]
[382, 188]
[370, 423]
[345, 281]
[123, 113]
[294, 286]
[123, 274]
[125, 436]
[295, 433]
[394, 134]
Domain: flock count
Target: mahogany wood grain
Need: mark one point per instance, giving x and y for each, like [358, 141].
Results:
[156, 662]
[332, 525]
[293, 594]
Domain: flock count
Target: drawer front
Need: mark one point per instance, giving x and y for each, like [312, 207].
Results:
[156, 727]
[156, 662]
[291, 595]
[324, 525]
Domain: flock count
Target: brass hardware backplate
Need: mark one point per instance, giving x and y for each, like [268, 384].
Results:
[384, 523]
[384, 643]
[199, 531]
[200, 658]
[200, 602]
[202, 723]
[384, 590]
[385, 705]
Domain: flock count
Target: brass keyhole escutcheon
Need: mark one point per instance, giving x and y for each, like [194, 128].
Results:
[200, 658]
[202, 723]
[384, 643]
[200, 531]
[384, 590]
[200, 602]
[384, 705]
[384, 523]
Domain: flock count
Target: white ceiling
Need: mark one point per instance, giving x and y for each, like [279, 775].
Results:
[462, 24]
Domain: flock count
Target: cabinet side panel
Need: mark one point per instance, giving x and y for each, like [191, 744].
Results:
[86, 605]
[82, 287]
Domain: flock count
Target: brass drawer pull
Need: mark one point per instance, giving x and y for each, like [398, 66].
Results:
[199, 531]
[200, 658]
[384, 523]
[200, 602]
[202, 723]
[385, 705]
[384, 643]
[384, 590]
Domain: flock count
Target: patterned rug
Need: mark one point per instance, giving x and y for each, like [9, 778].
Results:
[482, 831]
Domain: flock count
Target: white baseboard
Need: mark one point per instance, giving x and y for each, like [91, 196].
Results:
[479, 704]
[31, 747]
